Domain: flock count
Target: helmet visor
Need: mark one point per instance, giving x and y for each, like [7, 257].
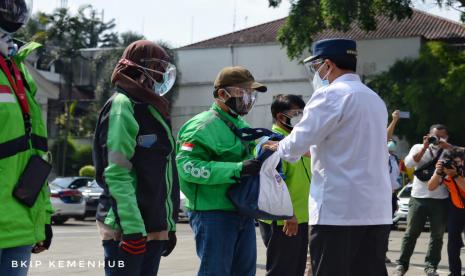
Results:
[14, 14]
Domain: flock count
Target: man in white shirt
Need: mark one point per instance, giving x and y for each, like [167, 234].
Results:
[425, 204]
[344, 125]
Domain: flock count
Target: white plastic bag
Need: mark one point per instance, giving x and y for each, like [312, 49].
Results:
[274, 196]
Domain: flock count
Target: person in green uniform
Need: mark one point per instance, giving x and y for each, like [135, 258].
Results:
[134, 161]
[287, 241]
[210, 158]
[23, 134]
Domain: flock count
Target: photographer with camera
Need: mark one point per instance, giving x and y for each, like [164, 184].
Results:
[449, 174]
[425, 203]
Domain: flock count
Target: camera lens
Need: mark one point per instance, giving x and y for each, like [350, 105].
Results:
[433, 140]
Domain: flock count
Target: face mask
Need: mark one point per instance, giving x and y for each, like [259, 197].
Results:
[292, 121]
[318, 82]
[168, 76]
[7, 47]
[241, 105]
[392, 146]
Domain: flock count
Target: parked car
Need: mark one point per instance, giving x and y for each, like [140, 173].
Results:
[182, 217]
[91, 193]
[400, 215]
[66, 199]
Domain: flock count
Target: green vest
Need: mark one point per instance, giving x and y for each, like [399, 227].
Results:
[20, 225]
[298, 176]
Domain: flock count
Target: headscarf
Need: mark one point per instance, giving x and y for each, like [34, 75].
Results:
[133, 82]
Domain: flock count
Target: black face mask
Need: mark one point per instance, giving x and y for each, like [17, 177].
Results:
[236, 106]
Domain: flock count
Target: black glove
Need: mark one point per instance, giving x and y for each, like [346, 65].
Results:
[45, 244]
[251, 167]
[171, 244]
[133, 244]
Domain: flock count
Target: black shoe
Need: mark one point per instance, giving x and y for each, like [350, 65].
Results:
[400, 271]
[431, 271]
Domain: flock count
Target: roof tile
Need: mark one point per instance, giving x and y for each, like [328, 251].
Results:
[423, 24]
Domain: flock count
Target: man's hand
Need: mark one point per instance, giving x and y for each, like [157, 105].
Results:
[45, 244]
[439, 168]
[425, 142]
[270, 145]
[396, 115]
[451, 172]
[250, 167]
[444, 145]
[291, 227]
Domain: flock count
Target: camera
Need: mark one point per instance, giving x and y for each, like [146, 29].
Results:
[447, 163]
[433, 140]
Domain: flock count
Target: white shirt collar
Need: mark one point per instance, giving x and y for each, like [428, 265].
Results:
[347, 77]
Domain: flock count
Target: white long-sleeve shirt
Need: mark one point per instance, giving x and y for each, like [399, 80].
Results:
[344, 125]
[420, 188]
[394, 172]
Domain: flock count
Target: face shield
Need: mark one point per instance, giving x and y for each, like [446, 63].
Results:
[241, 100]
[313, 69]
[14, 14]
[160, 72]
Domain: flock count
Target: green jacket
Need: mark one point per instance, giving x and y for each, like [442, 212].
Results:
[140, 178]
[298, 176]
[209, 159]
[19, 224]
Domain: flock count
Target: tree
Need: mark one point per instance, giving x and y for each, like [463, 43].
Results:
[308, 17]
[430, 87]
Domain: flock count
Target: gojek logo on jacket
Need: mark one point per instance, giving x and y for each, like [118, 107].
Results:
[189, 168]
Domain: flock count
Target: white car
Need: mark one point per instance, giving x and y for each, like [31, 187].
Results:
[91, 193]
[182, 215]
[400, 216]
[67, 201]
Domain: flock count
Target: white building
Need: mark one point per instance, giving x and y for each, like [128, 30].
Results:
[256, 48]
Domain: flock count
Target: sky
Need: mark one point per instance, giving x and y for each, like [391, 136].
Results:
[181, 22]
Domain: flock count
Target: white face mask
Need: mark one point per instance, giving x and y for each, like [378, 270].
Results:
[318, 82]
[293, 120]
[169, 78]
[167, 71]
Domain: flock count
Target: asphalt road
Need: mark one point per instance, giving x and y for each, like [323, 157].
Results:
[76, 250]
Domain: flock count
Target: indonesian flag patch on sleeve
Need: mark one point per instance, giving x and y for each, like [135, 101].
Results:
[187, 146]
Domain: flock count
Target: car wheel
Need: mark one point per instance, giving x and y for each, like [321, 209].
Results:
[59, 221]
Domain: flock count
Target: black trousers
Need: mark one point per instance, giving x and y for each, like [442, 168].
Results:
[455, 226]
[284, 255]
[349, 250]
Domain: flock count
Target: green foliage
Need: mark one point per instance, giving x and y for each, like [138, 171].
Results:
[87, 170]
[57, 156]
[76, 157]
[430, 87]
[308, 17]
